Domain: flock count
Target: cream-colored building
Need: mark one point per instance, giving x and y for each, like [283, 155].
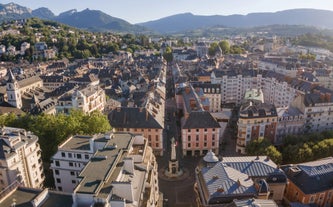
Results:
[116, 169]
[88, 99]
[20, 159]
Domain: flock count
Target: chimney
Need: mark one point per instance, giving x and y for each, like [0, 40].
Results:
[187, 89]
[147, 115]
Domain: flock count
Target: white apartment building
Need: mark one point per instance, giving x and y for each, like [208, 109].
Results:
[274, 87]
[290, 121]
[213, 93]
[88, 99]
[20, 158]
[317, 109]
[70, 159]
[277, 91]
[234, 86]
[121, 170]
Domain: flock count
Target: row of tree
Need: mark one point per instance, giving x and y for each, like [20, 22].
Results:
[54, 129]
[296, 148]
[225, 47]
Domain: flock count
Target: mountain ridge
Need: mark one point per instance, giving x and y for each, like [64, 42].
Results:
[93, 20]
[96, 20]
[189, 21]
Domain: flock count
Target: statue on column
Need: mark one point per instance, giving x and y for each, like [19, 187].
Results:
[173, 170]
[173, 150]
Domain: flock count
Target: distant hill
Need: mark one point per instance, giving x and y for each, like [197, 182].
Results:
[43, 13]
[13, 11]
[95, 20]
[187, 21]
[92, 20]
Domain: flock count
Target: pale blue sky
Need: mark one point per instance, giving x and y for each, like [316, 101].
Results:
[135, 11]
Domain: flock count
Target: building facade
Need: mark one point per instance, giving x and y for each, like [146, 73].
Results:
[122, 172]
[20, 158]
[310, 182]
[256, 119]
[88, 99]
[138, 121]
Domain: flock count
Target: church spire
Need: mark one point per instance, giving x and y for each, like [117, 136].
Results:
[11, 77]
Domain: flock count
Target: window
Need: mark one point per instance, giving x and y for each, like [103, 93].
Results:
[79, 156]
[189, 130]
[70, 155]
[70, 164]
[56, 172]
[86, 157]
[213, 144]
[197, 144]
[189, 145]
[58, 180]
[213, 129]
[197, 130]
[157, 145]
[205, 130]
[197, 137]
[156, 138]
[57, 163]
[73, 181]
[189, 138]
[205, 144]
[205, 137]
[312, 199]
[59, 188]
[149, 138]
[72, 173]
[63, 154]
[213, 137]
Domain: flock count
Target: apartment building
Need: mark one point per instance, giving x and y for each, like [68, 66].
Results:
[317, 108]
[277, 90]
[234, 85]
[20, 158]
[87, 99]
[200, 131]
[138, 121]
[290, 122]
[310, 183]
[122, 172]
[212, 92]
[256, 119]
[71, 157]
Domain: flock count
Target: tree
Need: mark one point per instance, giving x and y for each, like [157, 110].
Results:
[273, 154]
[167, 55]
[213, 49]
[225, 47]
[262, 146]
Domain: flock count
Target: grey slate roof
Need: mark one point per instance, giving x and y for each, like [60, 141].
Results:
[222, 180]
[24, 196]
[312, 177]
[200, 119]
[254, 108]
[253, 203]
[132, 118]
[256, 166]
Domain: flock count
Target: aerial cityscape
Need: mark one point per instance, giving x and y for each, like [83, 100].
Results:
[166, 104]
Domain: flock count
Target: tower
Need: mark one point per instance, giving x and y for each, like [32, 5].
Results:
[13, 91]
[173, 170]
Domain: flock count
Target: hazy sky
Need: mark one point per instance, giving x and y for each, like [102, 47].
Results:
[135, 11]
